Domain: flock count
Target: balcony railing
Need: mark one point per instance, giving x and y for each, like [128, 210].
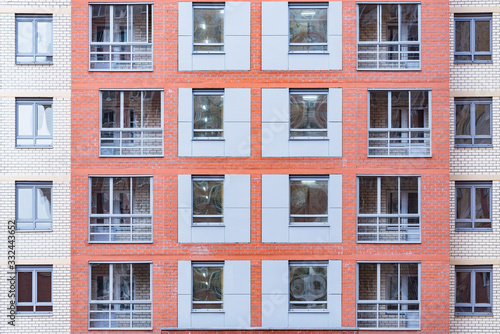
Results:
[390, 55]
[388, 314]
[120, 314]
[399, 142]
[121, 56]
[389, 228]
[121, 228]
[131, 142]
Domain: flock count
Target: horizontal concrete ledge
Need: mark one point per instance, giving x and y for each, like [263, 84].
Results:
[475, 9]
[475, 93]
[475, 262]
[250, 329]
[62, 94]
[35, 177]
[57, 261]
[475, 177]
[6, 9]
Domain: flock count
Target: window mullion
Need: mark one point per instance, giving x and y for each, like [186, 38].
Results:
[33, 209]
[473, 38]
[379, 25]
[122, 109]
[389, 109]
[33, 288]
[130, 23]
[34, 38]
[111, 287]
[110, 197]
[111, 24]
[379, 194]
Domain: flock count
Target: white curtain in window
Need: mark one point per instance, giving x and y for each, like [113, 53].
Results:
[43, 203]
[44, 114]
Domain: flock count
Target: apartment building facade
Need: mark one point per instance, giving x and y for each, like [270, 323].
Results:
[260, 165]
[474, 171]
[35, 104]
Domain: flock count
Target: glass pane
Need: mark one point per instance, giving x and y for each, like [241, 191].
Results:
[207, 285]
[141, 195]
[308, 283]
[208, 115]
[462, 36]
[409, 22]
[483, 119]
[100, 23]
[152, 109]
[408, 281]
[110, 109]
[207, 197]
[389, 189]
[308, 25]
[308, 111]
[99, 282]
[367, 23]
[367, 281]
[44, 203]
[463, 203]
[120, 23]
[44, 115]
[25, 37]
[208, 25]
[132, 109]
[122, 287]
[309, 197]
[25, 120]
[44, 37]
[139, 23]
[100, 195]
[367, 195]
[25, 203]
[121, 195]
[409, 193]
[378, 109]
[399, 110]
[463, 287]
[390, 23]
[389, 280]
[141, 274]
[483, 281]
[482, 36]
[482, 203]
[463, 119]
[24, 287]
[44, 287]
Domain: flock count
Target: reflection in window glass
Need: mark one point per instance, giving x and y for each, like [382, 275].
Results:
[308, 28]
[308, 285]
[208, 285]
[34, 39]
[208, 30]
[473, 38]
[208, 200]
[308, 114]
[308, 200]
[208, 109]
[473, 122]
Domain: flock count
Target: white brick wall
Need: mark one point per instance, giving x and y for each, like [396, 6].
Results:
[36, 164]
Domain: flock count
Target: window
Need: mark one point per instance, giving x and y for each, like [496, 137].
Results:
[131, 123]
[308, 114]
[308, 282]
[473, 122]
[34, 289]
[399, 123]
[120, 295]
[121, 37]
[308, 27]
[208, 29]
[207, 286]
[473, 38]
[34, 122]
[120, 209]
[388, 36]
[473, 206]
[388, 209]
[473, 290]
[308, 200]
[34, 206]
[388, 295]
[208, 107]
[207, 200]
[34, 39]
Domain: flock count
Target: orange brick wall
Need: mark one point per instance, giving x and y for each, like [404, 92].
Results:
[164, 252]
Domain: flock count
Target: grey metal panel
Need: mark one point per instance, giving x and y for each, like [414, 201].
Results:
[185, 53]
[275, 277]
[208, 148]
[335, 191]
[209, 62]
[237, 278]
[184, 220]
[308, 148]
[237, 191]
[334, 277]
[275, 191]
[274, 52]
[275, 105]
[207, 233]
[275, 224]
[335, 308]
[184, 286]
[275, 310]
[185, 19]
[237, 224]
[308, 319]
[275, 18]
[185, 133]
[335, 51]
[184, 191]
[310, 61]
[237, 102]
[237, 136]
[237, 309]
[335, 221]
[207, 319]
[334, 105]
[237, 50]
[184, 310]
[335, 147]
[334, 18]
[185, 99]
[237, 19]
[275, 139]
[309, 234]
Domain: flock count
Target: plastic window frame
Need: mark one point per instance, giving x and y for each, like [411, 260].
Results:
[472, 186]
[472, 18]
[472, 102]
[35, 18]
[473, 270]
[34, 103]
[34, 186]
[34, 290]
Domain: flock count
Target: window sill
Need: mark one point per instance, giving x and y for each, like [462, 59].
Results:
[487, 229]
[308, 311]
[308, 224]
[120, 70]
[120, 242]
[38, 146]
[308, 138]
[308, 52]
[208, 139]
[120, 329]
[474, 314]
[474, 62]
[390, 69]
[474, 146]
[27, 314]
[26, 231]
[51, 63]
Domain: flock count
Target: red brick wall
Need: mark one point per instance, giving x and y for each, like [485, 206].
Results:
[164, 252]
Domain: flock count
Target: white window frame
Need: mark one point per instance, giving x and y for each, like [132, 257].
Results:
[208, 264]
[34, 186]
[305, 92]
[310, 178]
[209, 5]
[307, 264]
[215, 92]
[308, 5]
[34, 303]
[114, 305]
[34, 19]
[35, 136]
[122, 130]
[195, 178]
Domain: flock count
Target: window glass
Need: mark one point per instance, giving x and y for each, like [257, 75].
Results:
[207, 286]
[208, 120]
[473, 122]
[34, 39]
[473, 206]
[472, 38]
[308, 286]
[34, 206]
[308, 114]
[208, 200]
[308, 200]
[473, 290]
[308, 28]
[208, 30]
[34, 123]
[34, 290]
